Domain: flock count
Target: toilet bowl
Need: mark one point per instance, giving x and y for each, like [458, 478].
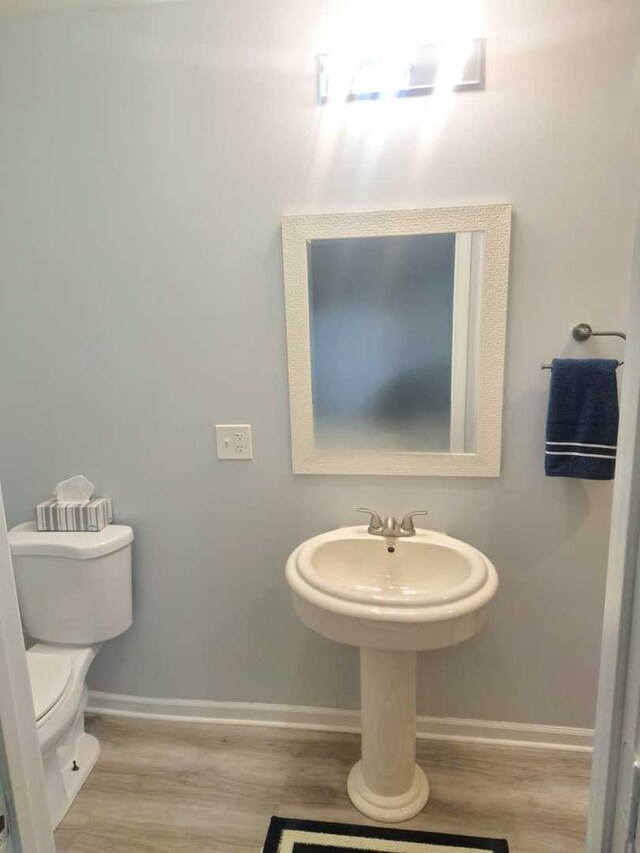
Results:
[57, 676]
[74, 591]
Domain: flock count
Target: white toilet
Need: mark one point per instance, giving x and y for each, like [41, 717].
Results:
[74, 591]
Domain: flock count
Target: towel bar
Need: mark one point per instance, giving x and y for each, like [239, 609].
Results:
[582, 332]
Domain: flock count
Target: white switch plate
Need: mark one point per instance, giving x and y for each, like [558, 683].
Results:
[234, 441]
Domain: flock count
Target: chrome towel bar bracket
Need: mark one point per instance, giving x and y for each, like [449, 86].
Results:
[583, 331]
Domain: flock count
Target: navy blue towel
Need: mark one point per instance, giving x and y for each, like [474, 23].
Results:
[582, 421]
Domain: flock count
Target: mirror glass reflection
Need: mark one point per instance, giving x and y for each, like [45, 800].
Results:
[393, 341]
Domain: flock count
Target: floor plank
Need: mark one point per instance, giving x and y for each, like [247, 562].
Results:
[200, 788]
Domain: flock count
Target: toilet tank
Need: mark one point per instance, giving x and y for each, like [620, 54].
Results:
[73, 588]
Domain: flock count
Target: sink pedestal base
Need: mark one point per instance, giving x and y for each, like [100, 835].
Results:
[386, 784]
[388, 809]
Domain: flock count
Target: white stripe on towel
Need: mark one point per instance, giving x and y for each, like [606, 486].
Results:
[569, 453]
[583, 444]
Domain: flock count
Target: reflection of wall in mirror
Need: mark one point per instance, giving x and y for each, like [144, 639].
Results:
[381, 311]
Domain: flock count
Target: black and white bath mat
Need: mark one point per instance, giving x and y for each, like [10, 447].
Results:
[310, 836]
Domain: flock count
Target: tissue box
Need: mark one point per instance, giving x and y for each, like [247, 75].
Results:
[90, 515]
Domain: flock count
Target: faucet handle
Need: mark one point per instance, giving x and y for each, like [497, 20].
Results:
[375, 522]
[407, 524]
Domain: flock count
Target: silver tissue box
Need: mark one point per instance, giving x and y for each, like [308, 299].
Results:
[91, 515]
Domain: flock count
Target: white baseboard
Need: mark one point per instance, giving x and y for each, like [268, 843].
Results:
[335, 720]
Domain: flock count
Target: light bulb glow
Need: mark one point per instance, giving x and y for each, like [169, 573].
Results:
[371, 47]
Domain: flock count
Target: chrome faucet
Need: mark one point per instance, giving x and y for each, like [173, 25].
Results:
[390, 526]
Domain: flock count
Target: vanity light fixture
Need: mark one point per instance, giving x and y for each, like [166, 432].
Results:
[401, 73]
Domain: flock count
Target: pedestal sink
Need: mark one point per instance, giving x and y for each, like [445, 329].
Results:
[392, 598]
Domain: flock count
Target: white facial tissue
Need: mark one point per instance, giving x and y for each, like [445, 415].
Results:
[73, 508]
[74, 490]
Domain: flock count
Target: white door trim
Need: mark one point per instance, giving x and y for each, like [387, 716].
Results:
[29, 820]
[619, 679]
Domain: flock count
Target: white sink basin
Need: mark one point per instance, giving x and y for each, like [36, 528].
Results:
[423, 592]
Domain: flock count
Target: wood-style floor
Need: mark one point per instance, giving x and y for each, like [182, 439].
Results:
[189, 788]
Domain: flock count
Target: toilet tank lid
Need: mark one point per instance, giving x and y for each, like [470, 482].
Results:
[26, 539]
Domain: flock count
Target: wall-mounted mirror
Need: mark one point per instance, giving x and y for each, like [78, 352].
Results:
[396, 332]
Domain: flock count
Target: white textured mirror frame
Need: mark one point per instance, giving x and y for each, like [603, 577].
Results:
[494, 222]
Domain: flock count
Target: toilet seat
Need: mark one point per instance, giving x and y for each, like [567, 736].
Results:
[49, 675]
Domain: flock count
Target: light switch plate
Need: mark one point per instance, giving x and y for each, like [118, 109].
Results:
[234, 441]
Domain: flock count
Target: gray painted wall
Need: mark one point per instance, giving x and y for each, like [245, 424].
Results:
[147, 156]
